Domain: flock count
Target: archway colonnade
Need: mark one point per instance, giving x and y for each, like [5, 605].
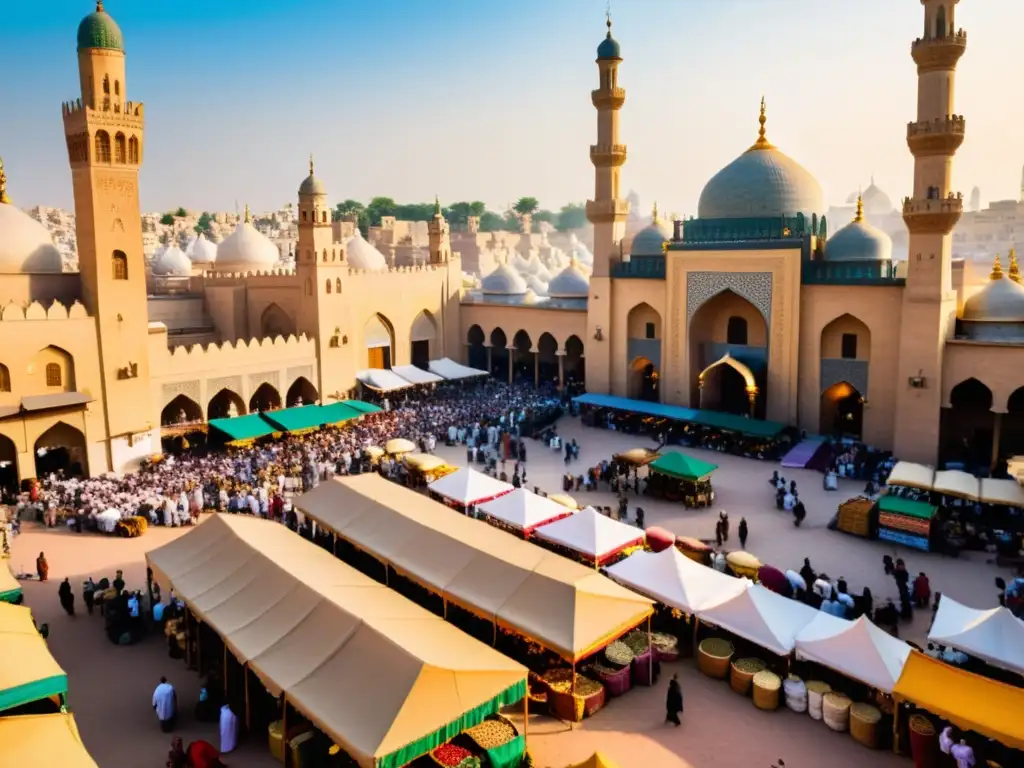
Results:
[979, 430]
[521, 358]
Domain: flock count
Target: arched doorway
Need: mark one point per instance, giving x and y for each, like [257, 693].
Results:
[225, 405]
[181, 410]
[1011, 427]
[275, 322]
[61, 449]
[728, 345]
[644, 380]
[643, 341]
[728, 385]
[476, 354]
[422, 336]
[499, 355]
[522, 357]
[547, 354]
[575, 369]
[966, 426]
[379, 338]
[8, 466]
[265, 398]
[301, 392]
[842, 411]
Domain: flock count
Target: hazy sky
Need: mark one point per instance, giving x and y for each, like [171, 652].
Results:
[490, 99]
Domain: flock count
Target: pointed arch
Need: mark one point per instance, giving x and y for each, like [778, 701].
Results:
[967, 425]
[5, 378]
[102, 148]
[133, 150]
[61, 448]
[379, 341]
[181, 410]
[728, 385]
[476, 352]
[846, 337]
[56, 369]
[119, 265]
[301, 392]
[573, 364]
[120, 150]
[424, 327]
[276, 322]
[265, 398]
[8, 465]
[225, 404]
[842, 411]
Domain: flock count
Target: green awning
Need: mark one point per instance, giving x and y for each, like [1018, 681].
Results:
[362, 407]
[680, 465]
[336, 413]
[37, 690]
[296, 419]
[909, 507]
[732, 423]
[247, 427]
[10, 595]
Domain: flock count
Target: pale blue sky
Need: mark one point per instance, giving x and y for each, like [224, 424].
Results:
[489, 99]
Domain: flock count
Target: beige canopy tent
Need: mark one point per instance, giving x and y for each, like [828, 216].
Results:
[953, 482]
[560, 604]
[1002, 491]
[42, 740]
[28, 671]
[323, 634]
[910, 475]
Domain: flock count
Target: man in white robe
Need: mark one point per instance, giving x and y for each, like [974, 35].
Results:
[228, 730]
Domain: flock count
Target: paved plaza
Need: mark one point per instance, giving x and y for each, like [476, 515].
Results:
[111, 686]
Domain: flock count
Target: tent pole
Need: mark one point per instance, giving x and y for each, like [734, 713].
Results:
[248, 717]
[445, 603]
[284, 724]
[896, 728]
[199, 649]
[225, 671]
[334, 545]
[526, 715]
[574, 679]
[650, 650]
[495, 625]
[696, 623]
[188, 638]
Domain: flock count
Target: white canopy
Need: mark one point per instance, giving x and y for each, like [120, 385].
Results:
[382, 380]
[671, 578]
[911, 475]
[449, 369]
[416, 375]
[953, 482]
[524, 509]
[590, 532]
[762, 617]
[1002, 491]
[995, 635]
[467, 487]
[858, 649]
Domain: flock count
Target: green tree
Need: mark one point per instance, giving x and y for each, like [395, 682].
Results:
[512, 222]
[167, 219]
[491, 222]
[526, 206]
[414, 212]
[478, 208]
[458, 214]
[378, 207]
[203, 226]
[348, 208]
[181, 213]
[546, 216]
[572, 216]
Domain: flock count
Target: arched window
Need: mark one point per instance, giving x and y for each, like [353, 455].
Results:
[117, 87]
[325, 255]
[736, 332]
[119, 149]
[5, 379]
[106, 85]
[328, 285]
[53, 375]
[323, 217]
[119, 262]
[337, 285]
[133, 150]
[102, 147]
[305, 215]
[940, 22]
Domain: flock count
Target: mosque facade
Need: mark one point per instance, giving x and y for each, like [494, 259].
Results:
[753, 306]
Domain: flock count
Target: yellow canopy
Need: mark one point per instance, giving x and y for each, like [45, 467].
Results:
[969, 701]
[638, 456]
[42, 740]
[304, 621]
[28, 672]
[596, 760]
[993, 491]
[399, 445]
[565, 500]
[559, 603]
[424, 462]
[953, 482]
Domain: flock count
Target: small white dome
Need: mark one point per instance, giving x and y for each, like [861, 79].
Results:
[172, 263]
[518, 263]
[25, 244]
[247, 248]
[579, 250]
[876, 201]
[201, 251]
[361, 255]
[504, 281]
[859, 241]
[570, 283]
[538, 286]
[1000, 301]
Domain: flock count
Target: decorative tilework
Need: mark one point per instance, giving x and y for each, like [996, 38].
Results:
[270, 377]
[232, 383]
[755, 287]
[853, 372]
[189, 389]
[303, 371]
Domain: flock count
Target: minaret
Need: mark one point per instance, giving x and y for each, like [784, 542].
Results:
[104, 133]
[439, 233]
[929, 301]
[607, 211]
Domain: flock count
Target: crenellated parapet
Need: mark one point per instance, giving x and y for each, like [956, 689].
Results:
[79, 117]
[214, 277]
[932, 54]
[941, 136]
[228, 355]
[36, 311]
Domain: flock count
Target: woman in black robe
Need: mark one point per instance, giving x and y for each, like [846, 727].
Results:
[674, 702]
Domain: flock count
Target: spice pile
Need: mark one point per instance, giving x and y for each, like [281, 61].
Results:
[560, 681]
[492, 733]
[665, 643]
[637, 642]
[454, 756]
[618, 655]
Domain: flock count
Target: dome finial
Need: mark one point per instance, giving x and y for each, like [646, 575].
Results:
[608, 18]
[859, 217]
[3, 184]
[654, 213]
[1014, 267]
[310, 163]
[99, 6]
[997, 270]
[246, 213]
[762, 138]
[437, 205]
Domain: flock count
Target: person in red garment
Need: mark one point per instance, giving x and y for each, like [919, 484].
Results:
[202, 754]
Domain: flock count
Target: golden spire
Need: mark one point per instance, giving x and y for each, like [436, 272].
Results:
[762, 140]
[99, 6]
[1014, 273]
[608, 18]
[859, 217]
[997, 270]
[654, 213]
[246, 213]
[3, 184]
[310, 163]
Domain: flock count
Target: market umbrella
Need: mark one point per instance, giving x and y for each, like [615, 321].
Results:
[565, 500]
[774, 579]
[400, 445]
[374, 452]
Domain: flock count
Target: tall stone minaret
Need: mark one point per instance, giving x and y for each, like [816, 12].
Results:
[929, 301]
[607, 211]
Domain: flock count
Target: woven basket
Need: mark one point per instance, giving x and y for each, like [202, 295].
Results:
[796, 693]
[815, 691]
[864, 720]
[716, 662]
[741, 681]
[766, 690]
[922, 725]
[835, 710]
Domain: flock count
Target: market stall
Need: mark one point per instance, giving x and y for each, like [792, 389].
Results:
[1002, 492]
[856, 516]
[637, 457]
[466, 488]
[339, 413]
[321, 634]
[398, 446]
[425, 468]
[905, 521]
[241, 430]
[968, 701]
[522, 511]
[953, 482]
[590, 536]
[678, 477]
[28, 671]
[298, 420]
[42, 740]
[994, 635]
[906, 474]
[857, 649]
[362, 407]
[415, 375]
[382, 380]
[10, 587]
[449, 369]
[762, 617]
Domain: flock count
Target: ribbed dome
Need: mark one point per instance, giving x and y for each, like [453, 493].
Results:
[172, 263]
[99, 30]
[761, 183]
[361, 255]
[247, 247]
[504, 281]
[859, 241]
[538, 286]
[25, 244]
[570, 283]
[201, 251]
[1000, 301]
[649, 240]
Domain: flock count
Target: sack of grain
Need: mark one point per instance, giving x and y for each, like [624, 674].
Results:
[796, 693]
[835, 709]
[815, 691]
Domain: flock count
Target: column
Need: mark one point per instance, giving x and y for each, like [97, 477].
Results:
[561, 369]
[536, 369]
[752, 397]
[997, 429]
[490, 370]
[511, 366]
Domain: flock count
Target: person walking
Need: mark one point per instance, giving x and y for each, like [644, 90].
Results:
[42, 567]
[165, 704]
[674, 702]
[67, 597]
[743, 533]
[89, 594]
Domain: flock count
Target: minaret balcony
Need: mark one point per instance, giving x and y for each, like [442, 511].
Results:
[607, 210]
[608, 98]
[938, 53]
[933, 216]
[942, 136]
[607, 155]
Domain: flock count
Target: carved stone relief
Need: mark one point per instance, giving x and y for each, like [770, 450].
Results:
[755, 287]
[189, 389]
[303, 371]
[233, 383]
[273, 378]
[853, 372]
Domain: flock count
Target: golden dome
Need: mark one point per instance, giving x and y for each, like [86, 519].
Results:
[1000, 301]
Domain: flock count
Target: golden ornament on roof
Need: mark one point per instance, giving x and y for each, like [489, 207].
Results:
[762, 138]
[997, 270]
